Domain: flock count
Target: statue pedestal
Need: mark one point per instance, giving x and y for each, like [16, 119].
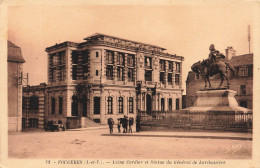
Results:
[216, 100]
[218, 109]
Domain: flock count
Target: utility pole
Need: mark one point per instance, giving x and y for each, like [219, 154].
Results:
[249, 38]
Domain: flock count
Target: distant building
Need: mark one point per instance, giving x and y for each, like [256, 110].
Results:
[15, 67]
[243, 83]
[109, 77]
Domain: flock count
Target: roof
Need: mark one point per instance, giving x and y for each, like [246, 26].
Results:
[246, 59]
[14, 53]
[61, 45]
[100, 34]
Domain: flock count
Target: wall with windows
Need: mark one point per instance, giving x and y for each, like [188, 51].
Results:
[34, 101]
[113, 103]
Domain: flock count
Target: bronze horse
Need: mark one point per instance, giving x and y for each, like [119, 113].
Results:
[207, 68]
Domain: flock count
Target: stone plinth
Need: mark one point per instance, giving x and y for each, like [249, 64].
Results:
[216, 100]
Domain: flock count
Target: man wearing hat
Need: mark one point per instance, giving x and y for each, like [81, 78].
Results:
[214, 54]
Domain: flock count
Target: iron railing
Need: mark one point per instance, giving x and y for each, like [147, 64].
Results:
[197, 119]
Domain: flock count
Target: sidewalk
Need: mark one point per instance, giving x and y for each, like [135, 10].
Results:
[89, 128]
[186, 134]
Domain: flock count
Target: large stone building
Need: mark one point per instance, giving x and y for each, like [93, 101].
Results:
[109, 77]
[242, 84]
[15, 67]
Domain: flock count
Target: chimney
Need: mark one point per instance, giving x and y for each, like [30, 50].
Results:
[230, 52]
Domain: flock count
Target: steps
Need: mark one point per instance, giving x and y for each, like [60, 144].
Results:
[90, 123]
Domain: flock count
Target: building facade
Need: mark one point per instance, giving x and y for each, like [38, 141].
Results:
[242, 83]
[109, 77]
[34, 101]
[15, 67]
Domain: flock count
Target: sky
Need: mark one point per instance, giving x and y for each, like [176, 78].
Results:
[185, 30]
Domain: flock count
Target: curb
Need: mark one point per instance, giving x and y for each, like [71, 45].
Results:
[88, 128]
[184, 136]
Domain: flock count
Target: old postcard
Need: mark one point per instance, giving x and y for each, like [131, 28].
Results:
[129, 84]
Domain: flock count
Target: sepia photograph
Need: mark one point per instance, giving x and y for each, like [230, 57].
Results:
[121, 84]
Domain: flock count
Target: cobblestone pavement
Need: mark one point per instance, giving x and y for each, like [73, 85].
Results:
[92, 144]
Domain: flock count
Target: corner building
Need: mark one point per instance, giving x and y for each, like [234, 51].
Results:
[109, 77]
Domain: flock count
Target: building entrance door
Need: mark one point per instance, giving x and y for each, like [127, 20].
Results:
[148, 103]
[96, 105]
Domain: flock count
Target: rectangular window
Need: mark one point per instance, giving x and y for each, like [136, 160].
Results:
[96, 54]
[243, 104]
[162, 74]
[170, 78]
[243, 89]
[85, 71]
[177, 79]
[131, 105]
[85, 55]
[60, 77]
[52, 105]
[109, 57]
[177, 68]
[96, 105]
[53, 75]
[96, 72]
[120, 73]
[109, 72]
[130, 74]
[170, 67]
[74, 72]
[120, 59]
[74, 57]
[148, 63]
[243, 71]
[130, 60]
[148, 75]
[34, 103]
[120, 105]
[60, 105]
[110, 105]
[162, 65]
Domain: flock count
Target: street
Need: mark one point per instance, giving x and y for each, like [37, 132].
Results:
[93, 144]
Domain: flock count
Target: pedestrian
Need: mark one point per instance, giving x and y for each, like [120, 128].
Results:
[111, 123]
[118, 125]
[125, 124]
[131, 122]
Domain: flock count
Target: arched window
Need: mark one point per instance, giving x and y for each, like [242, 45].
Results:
[131, 105]
[120, 105]
[74, 106]
[60, 105]
[170, 104]
[162, 104]
[110, 105]
[177, 104]
[53, 105]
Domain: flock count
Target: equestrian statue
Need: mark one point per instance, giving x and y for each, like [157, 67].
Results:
[214, 64]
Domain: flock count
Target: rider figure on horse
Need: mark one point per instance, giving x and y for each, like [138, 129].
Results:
[214, 54]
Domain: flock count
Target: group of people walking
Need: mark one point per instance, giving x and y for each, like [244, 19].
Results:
[125, 122]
